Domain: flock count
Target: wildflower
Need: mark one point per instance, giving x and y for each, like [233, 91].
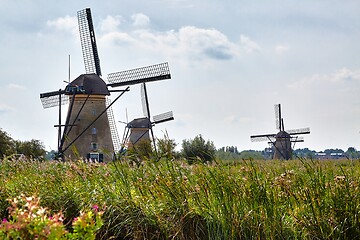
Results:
[96, 207]
[4, 220]
[339, 178]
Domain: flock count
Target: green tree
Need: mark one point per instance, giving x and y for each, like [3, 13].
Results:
[198, 149]
[351, 153]
[166, 147]
[32, 149]
[251, 154]
[6, 144]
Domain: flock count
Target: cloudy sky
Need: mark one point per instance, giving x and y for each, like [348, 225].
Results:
[230, 60]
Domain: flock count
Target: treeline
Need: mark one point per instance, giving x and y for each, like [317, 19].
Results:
[30, 149]
[232, 153]
[194, 150]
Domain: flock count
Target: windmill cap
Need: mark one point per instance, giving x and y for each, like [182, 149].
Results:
[88, 84]
[140, 123]
[282, 134]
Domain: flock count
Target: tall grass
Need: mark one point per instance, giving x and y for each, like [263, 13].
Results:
[302, 199]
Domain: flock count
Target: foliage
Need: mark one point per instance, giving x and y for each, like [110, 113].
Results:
[28, 220]
[248, 199]
[33, 148]
[251, 154]
[141, 151]
[231, 153]
[144, 150]
[198, 149]
[6, 144]
[166, 147]
[352, 153]
[304, 153]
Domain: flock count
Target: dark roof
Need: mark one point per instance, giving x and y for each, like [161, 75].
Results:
[140, 123]
[282, 134]
[88, 84]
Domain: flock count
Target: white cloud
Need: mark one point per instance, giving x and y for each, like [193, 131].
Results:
[66, 23]
[189, 42]
[110, 23]
[281, 49]
[140, 20]
[5, 108]
[232, 119]
[180, 4]
[207, 42]
[249, 45]
[338, 78]
[14, 86]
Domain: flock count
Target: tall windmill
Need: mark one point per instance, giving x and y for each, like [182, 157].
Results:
[87, 132]
[282, 140]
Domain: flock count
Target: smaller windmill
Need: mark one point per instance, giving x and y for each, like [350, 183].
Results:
[139, 129]
[282, 140]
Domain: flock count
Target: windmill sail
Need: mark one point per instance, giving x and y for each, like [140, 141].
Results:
[88, 42]
[298, 131]
[113, 129]
[139, 75]
[164, 117]
[53, 99]
[145, 101]
[264, 137]
[278, 117]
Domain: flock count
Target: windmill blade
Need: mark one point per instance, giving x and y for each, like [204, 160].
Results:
[261, 138]
[52, 99]
[298, 131]
[296, 139]
[164, 117]
[113, 129]
[88, 42]
[145, 101]
[140, 75]
[278, 116]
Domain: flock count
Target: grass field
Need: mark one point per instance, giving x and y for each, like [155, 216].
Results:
[297, 199]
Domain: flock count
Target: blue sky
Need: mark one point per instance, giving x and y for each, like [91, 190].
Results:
[231, 61]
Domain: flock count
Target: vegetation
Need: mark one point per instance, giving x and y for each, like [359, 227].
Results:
[28, 220]
[32, 149]
[168, 199]
[198, 150]
[231, 153]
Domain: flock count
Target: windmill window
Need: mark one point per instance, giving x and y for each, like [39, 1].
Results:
[94, 112]
[94, 131]
[94, 146]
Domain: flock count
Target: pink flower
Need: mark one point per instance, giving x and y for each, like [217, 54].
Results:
[4, 220]
[96, 207]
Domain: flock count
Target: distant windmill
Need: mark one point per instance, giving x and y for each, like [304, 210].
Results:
[282, 140]
[139, 128]
[88, 132]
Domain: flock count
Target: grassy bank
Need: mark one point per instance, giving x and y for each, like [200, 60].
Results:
[298, 199]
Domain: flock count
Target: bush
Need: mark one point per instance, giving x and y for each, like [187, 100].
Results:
[166, 147]
[6, 144]
[198, 150]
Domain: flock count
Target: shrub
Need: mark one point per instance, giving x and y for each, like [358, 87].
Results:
[28, 220]
[198, 149]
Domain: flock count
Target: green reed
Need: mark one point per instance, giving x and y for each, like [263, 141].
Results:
[297, 199]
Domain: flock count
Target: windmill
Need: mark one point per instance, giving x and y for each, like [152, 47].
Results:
[89, 131]
[138, 129]
[282, 140]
